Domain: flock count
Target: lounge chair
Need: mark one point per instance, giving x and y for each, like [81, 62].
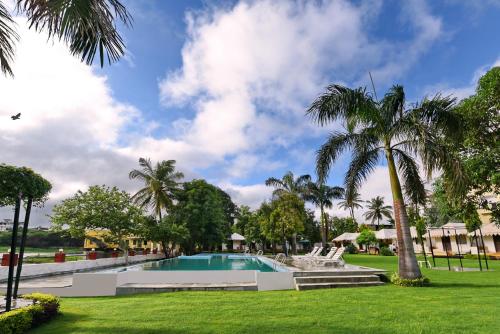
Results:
[337, 258]
[311, 253]
[309, 257]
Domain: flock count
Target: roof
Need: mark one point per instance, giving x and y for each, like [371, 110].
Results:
[488, 229]
[381, 223]
[347, 236]
[450, 229]
[386, 233]
[236, 237]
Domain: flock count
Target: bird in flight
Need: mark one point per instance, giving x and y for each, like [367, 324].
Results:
[18, 116]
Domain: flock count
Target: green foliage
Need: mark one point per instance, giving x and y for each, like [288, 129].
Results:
[351, 249]
[44, 239]
[366, 237]
[200, 209]
[99, 207]
[385, 251]
[342, 225]
[288, 214]
[417, 282]
[312, 230]
[24, 182]
[440, 209]
[20, 320]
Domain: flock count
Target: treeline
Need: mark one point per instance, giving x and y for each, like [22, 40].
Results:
[44, 239]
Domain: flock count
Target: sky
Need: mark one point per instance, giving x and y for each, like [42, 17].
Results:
[222, 88]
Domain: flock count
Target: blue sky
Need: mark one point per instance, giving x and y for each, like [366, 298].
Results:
[222, 87]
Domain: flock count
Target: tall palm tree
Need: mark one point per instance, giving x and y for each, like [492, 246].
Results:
[322, 196]
[399, 133]
[87, 26]
[288, 183]
[352, 200]
[161, 181]
[377, 210]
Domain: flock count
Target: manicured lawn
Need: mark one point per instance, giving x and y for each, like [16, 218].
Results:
[67, 250]
[50, 259]
[455, 303]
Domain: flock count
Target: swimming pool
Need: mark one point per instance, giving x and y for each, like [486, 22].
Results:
[211, 262]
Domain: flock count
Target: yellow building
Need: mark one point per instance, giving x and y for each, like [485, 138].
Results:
[96, 240]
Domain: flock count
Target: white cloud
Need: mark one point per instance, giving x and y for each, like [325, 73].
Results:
[251, 195]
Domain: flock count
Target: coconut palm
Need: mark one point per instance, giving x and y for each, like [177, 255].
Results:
[322, 196]
[87, 26]
[399, 133]
[161, 181]
[377, 210]
[352, 200]
[288, 183]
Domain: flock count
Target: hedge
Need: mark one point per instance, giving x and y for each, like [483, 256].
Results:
[20, 320]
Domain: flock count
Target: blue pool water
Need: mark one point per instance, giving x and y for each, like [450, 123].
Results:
[210, 262]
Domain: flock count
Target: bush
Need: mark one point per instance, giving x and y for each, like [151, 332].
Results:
[417, 282]
[385, 251]
[20, 320]
[351, 249]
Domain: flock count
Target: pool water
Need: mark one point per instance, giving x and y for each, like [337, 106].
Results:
[210, 262]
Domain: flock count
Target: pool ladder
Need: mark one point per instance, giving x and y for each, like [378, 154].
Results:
[279, 259]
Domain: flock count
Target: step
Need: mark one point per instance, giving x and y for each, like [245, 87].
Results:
[312, 286]
[334, 279]
[337, 273]
[127, 289]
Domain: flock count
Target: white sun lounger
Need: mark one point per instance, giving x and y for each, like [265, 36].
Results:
[335, 259]
[309, 257]
[311, 253]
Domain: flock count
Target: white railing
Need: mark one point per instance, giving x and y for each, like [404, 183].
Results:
[279, 259]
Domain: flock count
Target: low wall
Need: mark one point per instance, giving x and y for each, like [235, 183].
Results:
[182, 277]
[47, 269]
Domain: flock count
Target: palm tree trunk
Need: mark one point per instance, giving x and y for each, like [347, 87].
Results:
[352, 212]
[408, 267]
[323, 226]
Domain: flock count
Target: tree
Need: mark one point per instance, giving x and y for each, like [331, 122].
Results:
[398, 132]
[377, 210]
[480, 151]
[440, 209]
[267, 226]
[288, 216]
[20, 184]
[230, 210]
[366, 237]
[312, 228]
[342, 225]
[200, 209]
[248, 225]
[322, 196]
[167, 232]
[352, 200]
[99, 208]
[88, 27]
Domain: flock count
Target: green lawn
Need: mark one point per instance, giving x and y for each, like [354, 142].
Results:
[67, 250]
[50, 259]
[455, 303]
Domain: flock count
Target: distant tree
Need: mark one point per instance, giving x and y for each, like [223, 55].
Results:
[88, 27]
[352, 200]
[312, 228]
[377, 210]
[230, 210]
[289, 184]
[200, 209]
[322, 196]
[342, 225]
[268, 226]
[366, 237]
[167, 232]
[243, 219]
[99, 208]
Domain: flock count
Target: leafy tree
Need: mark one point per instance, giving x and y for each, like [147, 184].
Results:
[366, 237]
[88, 27]
[390, 129]
[23, 183]
[167, 232]
[268, 227]
[200, 209]
[230, 210]
[322, 196]
[342, 225]
[377, 210]
[352, 200]
[288, 216]
[99, 208]
[161, 183]
[243, 217]
[248, 226]
[312, 228]
[480, 150]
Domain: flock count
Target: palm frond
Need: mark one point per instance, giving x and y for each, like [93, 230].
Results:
[392, 105]
[88, 26]
[412, 183]
[274, 182]
[362, 164]
[8, 37]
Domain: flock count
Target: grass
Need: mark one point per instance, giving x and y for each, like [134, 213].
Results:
[50, 259]
[457, 302]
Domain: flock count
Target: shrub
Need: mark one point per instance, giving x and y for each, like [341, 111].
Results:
[351, 249]
[20, 320]
[385, 251]
[417, 282]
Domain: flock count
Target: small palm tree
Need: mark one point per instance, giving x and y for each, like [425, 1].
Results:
[87, 26]
[352, 200]
[160, 182]
[377, 210]
[289, 184]
[390, 129]
[322, 196]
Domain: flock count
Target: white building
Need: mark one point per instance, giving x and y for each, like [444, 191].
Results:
[491, 238]
[6, 225]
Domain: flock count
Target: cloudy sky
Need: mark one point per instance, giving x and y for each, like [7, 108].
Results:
[222, 87]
